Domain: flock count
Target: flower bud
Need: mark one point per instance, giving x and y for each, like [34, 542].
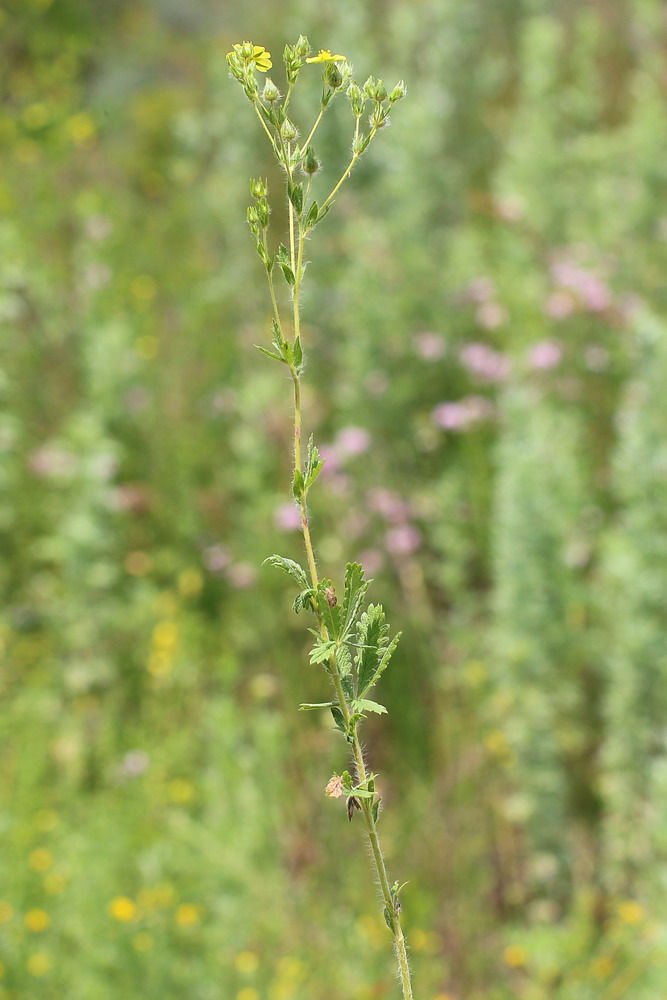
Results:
[288, 130]
[380, 91]
[310, 164]
[263, 212]
[270, 92]
[357, 99]
[258, 188]
[247, 50]
[333, 76]
[302, 46]
[370, 87]
[399, 91]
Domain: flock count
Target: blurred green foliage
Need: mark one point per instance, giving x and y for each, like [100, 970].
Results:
[486, 365]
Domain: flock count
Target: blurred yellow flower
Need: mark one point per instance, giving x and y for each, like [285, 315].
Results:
[247, 961]
[54, 883]
[603, 966]
[186, 915]
[40, 860]
[324, 55]
[6, 911]
[39, 964]
[80, 128]
[630, 912]
[247, 993]
[142, 942]
[123, 909]
[190, 582]
[181, 791]
[165, 635]
[37, 920]
[290, 967]
[514, 956]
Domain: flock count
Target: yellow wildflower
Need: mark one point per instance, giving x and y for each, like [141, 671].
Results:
[324, 55]
[186, 915]
[37, 920]
[39, 964]
[247, 961]
[123, 909]
[630, 912]
[40, 860]
[260, 57]
[514, 956]
[248, 993]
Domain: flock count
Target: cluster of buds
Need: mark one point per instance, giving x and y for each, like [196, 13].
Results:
[258, 218]
[243, 60]
[294, 56]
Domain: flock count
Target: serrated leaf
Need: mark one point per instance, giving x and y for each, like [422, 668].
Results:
[295, 193]
[355, 591]
[290, 567]
[361, 793]
[331, 616]
[383, 664]
[322, 651]
[303, 601]
[307, 707]
[343, 661]
[313, 463]
[347, 685]
[363, 705]
[372, 637]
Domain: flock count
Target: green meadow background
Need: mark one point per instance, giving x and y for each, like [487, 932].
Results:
[486, 329]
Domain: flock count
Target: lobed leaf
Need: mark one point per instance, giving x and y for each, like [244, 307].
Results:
[290, 567]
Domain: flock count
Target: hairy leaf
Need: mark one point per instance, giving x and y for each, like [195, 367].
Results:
[355, 591]
[290, 567]
[363, 705]
[372, 638]
[331, 615]
[307, 707]
[322, 650]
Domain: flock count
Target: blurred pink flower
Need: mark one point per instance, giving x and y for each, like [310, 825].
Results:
[216, 558]
[544, 355]
[592, 291]
[491, 315]
[287, 517]
[371, 560]
[429, 346]
[479, 290]
[559, 305]
[241, 575]
[482, 361]
[460, 415]
[403, 539]
[389, 504]
[53, 461]
[352, 441]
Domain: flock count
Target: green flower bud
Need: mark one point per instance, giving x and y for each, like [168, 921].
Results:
[379, 118]
[270, 92]
[258, 188]
[357, 99]
[302, 46]
[380, 91]
[288, 130]
[370, 87]
[247, 50]
[333, 76]
[253, 219]
[399, 91]
[263, 212]
[310, 164]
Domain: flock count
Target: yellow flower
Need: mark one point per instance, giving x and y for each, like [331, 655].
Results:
[40, 860]
[247, 961]
[186, 915]
[630, 912]
[123, 909]
[514, 956]
[260, 57]
[37, 920]
[39, 964]
[324, 55]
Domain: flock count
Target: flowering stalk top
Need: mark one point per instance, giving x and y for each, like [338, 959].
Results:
[255, 54]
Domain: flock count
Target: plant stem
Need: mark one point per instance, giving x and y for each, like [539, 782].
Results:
[391, 903]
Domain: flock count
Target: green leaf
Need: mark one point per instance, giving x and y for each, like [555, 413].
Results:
[269, 354]
[306, 707]
[313, 464]
[290, 567]
[372, 637]
[323, 212]
[304, 601]
[384, 662]
[312, 217]
[331, 616]
[376, 810]
[344, 662]
[322, 650]
[295, 192]
[338, 719]
[297, 353]
[363, 705]
[355, 590]
[283, 258]
[297, 485]
[347, 685]
[388, 919]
